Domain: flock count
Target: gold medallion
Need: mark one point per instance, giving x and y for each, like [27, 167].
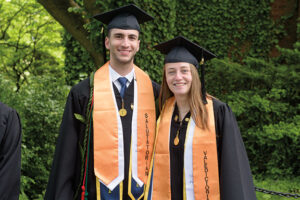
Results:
[176, 141]
[123, 112]
[131, 106]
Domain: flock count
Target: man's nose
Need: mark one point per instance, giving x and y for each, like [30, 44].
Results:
[125, 42]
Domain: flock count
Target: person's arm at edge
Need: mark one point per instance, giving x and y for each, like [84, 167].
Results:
[10, 166]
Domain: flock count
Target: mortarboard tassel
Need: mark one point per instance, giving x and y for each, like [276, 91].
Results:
[203, 90]
[103, 45]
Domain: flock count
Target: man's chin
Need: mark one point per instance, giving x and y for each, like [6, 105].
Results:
[125, 60]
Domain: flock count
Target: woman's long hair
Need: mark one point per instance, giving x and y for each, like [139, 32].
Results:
[197, 107]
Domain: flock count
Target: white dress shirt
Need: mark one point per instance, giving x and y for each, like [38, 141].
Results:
[115, 75]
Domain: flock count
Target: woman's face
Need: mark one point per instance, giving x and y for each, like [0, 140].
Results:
[179, 78]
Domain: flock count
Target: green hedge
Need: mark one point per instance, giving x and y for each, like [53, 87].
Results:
[288, 185]
[237, 29]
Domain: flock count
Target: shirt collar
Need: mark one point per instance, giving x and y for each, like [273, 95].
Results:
[115, 75]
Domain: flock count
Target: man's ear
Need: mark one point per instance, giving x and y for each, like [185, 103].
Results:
[138, 48]
[107, 43]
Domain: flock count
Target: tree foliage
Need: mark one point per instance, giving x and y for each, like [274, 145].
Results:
[29, 41]
[31, 51]
[74, 16]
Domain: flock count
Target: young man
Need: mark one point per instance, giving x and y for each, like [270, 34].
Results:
[107, 133]
[10, 153]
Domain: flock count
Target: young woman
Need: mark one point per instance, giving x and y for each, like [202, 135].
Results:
[199, 152]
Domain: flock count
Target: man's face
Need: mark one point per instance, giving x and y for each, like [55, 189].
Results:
[123, 45]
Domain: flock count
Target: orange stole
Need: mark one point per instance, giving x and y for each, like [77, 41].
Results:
[105, 123]
[205, 161]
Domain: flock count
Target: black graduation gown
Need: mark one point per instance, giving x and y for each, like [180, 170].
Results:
[66, 168]
[234, 170]
[10, 153]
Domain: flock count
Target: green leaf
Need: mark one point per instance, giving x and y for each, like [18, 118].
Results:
[80, 117]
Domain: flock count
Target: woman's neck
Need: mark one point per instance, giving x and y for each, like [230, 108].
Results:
[183, 106]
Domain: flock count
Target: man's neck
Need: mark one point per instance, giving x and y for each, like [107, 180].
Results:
[122, 68]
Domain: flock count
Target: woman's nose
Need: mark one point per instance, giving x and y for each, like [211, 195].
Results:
[178, 75]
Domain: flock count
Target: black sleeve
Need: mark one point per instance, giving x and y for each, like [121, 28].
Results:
[235, 174]
[10, 153]
[62, 183]
[156, 89]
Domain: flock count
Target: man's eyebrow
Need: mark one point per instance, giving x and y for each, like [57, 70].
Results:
[118, 34]
[133, 35]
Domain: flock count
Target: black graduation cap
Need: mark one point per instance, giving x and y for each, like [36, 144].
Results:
[181, 49]
[126, 17]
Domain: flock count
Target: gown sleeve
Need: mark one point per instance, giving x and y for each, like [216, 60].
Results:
[234, 170]
[156, 89]
[10, 153]
[62, 183]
